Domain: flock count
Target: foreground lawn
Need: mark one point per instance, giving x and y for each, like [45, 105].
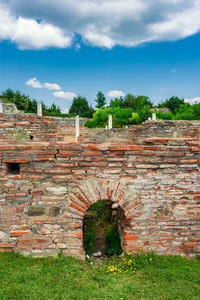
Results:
[67, 278]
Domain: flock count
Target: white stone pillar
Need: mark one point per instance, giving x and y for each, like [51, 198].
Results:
[110, 122]
[39, 109]
[1, 107]
[106, 127]
[153, 117]
[77, 128]
[149, 118]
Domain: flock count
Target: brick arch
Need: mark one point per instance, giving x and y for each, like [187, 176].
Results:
[92, 190]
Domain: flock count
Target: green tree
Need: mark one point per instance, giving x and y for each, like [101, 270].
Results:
[136, 102]
[172, 103]
[24, 103]
[100, 100]
[81, 107]
[8, 95]
[53, 110]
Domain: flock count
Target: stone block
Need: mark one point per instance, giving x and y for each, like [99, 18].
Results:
[56, 190]
[52, 211]
[36, 211]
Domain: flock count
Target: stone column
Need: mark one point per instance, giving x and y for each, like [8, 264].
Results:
[153, 117]
[1, 107]
[77, 128]
[39, 109]
[110, 122]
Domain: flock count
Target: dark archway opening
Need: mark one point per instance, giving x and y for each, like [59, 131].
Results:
[103, 229]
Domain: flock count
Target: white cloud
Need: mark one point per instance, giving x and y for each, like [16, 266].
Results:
[162, 89]
[115, 94]
[52, 86]
[33, 82]
[173, 70]
[102, 23]
[27, 33]
[192, 100]
[65, 110]
[65, 95]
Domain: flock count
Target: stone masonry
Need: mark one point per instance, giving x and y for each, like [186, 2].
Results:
[47, 183]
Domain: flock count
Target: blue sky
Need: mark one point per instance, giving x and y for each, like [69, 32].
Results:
[153, 53]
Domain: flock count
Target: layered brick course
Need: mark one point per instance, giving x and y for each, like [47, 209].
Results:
[153, 176]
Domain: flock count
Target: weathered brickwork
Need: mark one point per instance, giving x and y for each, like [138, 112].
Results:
[154, 177]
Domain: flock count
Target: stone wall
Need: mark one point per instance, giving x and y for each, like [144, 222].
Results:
[25, 127]
[8, 108]
[46, 188]
[167, 128]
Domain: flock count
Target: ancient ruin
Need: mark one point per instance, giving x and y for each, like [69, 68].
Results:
[48, 181]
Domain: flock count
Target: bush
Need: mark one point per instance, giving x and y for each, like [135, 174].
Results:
[160, 115]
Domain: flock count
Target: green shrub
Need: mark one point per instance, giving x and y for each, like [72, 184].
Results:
[160, 115]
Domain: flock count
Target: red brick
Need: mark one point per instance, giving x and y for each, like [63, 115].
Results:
[37, 247]
[17, 160]
[41, 241]
[130, 237]
[24, 247]
[26, 242]
[77, 207]
[7, 245]
[7, 147]
[189, 161]
[44, 159]
[20, 195]
[150, 148]
[192, 244]
[19, 233]
[68, 153]
[94, 153]
[32, 147]
[50, 152]
[91, 164]
[65, 165]
[92, 147]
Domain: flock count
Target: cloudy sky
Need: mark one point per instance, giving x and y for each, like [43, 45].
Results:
[55, 50]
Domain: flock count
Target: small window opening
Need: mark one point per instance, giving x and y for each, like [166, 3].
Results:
[31, 137]
[13, 168]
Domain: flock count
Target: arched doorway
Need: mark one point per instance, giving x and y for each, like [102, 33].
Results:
[120, 193]
[103, 227]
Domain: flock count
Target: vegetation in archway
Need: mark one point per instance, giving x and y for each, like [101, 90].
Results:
[101, 230]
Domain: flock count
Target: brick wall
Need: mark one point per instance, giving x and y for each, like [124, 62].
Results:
[25, 127]
[155, 179]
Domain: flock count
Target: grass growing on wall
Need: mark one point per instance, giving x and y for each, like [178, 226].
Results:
[166, 277]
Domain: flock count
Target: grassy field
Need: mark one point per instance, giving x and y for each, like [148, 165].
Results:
[67, 278]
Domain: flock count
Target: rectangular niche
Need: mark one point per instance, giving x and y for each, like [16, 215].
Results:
[13, 168]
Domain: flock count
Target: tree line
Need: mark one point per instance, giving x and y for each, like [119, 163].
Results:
[125, 110]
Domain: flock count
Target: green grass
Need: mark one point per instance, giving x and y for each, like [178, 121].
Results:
[67, 278]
